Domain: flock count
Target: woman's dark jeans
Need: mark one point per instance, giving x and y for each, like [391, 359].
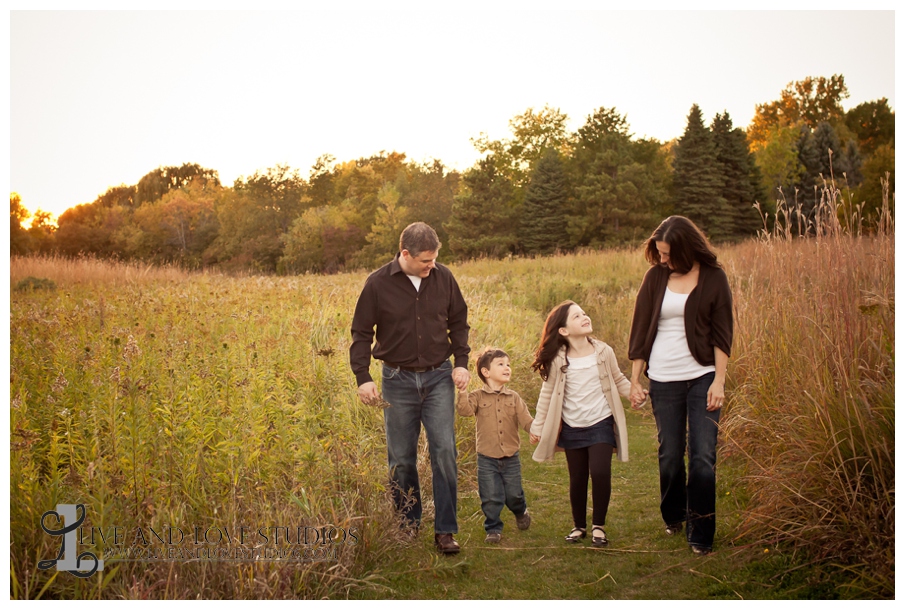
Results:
[680, 406]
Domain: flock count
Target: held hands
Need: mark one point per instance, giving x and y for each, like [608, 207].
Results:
[638, 395]
[461, 377]
[535, 439]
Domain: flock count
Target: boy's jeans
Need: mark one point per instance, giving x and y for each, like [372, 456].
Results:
[500, 483]
[417, 398]
[677, 406]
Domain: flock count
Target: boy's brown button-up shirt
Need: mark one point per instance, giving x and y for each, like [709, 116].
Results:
[498, 417]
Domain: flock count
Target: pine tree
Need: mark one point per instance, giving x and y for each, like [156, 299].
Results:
[737, 166]
[809, 184]
[698, 182]
[618, 183]
[543, 228]
[850, 163]
[482, 220]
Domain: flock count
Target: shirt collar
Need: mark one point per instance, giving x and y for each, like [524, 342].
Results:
[395, 267]
[505, 390]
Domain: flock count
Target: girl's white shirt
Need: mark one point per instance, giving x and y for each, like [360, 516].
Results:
[583, 401]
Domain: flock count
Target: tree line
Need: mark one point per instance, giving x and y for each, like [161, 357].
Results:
[542, 189]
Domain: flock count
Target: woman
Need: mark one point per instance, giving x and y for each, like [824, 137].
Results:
[681, 339]
[579, 411]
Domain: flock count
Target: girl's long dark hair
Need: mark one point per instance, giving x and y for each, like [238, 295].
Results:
[551, 340]
[687, 244]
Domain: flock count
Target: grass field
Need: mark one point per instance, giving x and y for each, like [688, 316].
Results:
[161, 399]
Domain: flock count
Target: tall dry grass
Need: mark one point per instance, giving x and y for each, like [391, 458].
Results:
[161, 397]
[162, 401]
[91, 270]
[812, 407]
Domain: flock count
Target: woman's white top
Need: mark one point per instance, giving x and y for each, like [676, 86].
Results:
[670, 357]
[584, 403]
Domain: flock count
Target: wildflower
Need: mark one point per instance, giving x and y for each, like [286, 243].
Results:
[60, 384]
[131, 350]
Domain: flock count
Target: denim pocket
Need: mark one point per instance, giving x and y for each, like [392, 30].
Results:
[389, 372]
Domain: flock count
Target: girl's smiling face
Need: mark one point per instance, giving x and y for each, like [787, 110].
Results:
[578, 323]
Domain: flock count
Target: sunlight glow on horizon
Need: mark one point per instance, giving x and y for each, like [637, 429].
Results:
[243, 92]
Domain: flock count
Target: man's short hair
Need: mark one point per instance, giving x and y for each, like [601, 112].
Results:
[485, 357]
[419, 237]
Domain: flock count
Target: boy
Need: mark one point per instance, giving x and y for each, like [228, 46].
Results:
[499, 413]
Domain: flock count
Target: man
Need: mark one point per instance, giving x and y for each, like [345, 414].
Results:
[422, 320]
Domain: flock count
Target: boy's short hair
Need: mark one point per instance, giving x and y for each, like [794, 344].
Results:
[485, 357]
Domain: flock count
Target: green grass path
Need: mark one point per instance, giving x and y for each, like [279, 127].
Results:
[641, 562]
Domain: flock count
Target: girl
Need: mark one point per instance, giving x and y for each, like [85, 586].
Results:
[579, 411]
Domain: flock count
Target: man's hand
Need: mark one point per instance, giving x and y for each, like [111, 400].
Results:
[368, 393]
[535, 439]
[460, 376]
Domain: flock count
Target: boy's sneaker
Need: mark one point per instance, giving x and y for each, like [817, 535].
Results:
[493, 538]
[523, 521]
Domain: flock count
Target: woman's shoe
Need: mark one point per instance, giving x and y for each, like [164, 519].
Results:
[700, 550]
[598, 536]
[576, 534]
[673, 529]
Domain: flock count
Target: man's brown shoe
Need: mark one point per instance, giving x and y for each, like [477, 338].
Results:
[446, 544]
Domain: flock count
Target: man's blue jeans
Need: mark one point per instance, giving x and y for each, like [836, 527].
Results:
[415, 399]
[679, 406]
[500, 484]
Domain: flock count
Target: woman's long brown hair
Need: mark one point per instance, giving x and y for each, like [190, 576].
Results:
[687, 244]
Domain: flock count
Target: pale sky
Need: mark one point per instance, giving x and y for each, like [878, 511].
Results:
[99, 99]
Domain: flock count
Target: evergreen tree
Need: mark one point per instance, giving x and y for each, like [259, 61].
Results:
[698, 182]
[850, 163]
[830, 151]
[483, 220]
[543, 228]
[807, 188]
[739, 183]
[618, 182]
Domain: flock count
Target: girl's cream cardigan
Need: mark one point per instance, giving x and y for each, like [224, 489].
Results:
[548, 418]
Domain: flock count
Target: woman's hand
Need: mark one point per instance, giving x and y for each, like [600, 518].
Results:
[535, 439]
[716, 395]
[638, 395]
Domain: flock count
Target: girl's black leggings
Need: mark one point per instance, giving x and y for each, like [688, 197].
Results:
[595, 461]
